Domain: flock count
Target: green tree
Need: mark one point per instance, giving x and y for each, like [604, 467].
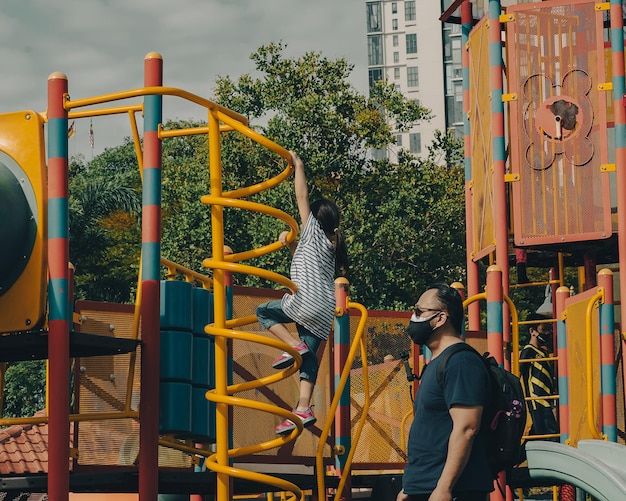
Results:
[309, 106]
[24, 388]
[104, 208]
[403, 223]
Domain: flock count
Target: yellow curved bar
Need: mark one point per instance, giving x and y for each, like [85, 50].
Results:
[366, 401]
[212, 463]
[514, 320]
[515, 335]
[253, 206]
[189, 275]
[243, 128]
[474, 298]
[267, 341]
[594, 301]
[250, 270]
[357, 342]
[238, 322]
[117, 110]
[154, 90]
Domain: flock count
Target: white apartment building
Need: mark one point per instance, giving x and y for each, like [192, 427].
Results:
[410, 47]
[404, 40]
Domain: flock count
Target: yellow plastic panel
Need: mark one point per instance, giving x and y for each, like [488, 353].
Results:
[481, 200]
[22, 147]
[577, 363]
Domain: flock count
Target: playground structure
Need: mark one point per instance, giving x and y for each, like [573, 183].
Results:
[559, 196]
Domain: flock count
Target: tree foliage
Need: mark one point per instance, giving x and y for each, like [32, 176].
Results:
[104, 208]
[24, 388]
[403, 222]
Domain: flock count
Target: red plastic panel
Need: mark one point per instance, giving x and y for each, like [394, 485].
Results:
[557, 123]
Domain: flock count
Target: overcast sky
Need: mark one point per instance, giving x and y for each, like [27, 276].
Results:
[101, 44]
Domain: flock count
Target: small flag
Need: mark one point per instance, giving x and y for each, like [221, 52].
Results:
[71, 130]
[91, 135]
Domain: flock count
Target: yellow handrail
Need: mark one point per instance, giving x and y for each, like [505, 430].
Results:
[357, 342]
[514, 322]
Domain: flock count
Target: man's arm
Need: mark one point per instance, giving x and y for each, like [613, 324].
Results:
[465, 426]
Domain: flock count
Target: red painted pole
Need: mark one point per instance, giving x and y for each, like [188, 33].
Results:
[151, 273]
[607, 357]
[562, 293]
[341, 349]
[494, 336]
[59, 315]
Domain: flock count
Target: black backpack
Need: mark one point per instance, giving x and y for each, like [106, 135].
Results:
[504, 417]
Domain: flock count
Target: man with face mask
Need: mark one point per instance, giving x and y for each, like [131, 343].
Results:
[447, 458]
[538, 376]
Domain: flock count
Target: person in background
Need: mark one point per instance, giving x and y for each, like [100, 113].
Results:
[538, 376]
[317, 256]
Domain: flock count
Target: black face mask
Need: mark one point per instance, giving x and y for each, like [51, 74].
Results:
[419, 329]
[546, 340]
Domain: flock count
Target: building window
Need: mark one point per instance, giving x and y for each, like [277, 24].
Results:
[399, 140]
[412, 77]
[394, 7]
[374, 19]
[396, 57]
[379, 153]
[415, 143]
[456, 51]
[374, 50]
[395, 41]
[394, 24]
[375, 74]
[396, 73]
[411, 43]
[409, 10]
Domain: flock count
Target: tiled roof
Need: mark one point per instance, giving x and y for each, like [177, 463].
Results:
[24, 448]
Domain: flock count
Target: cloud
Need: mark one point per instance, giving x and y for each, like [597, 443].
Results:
[101, 44]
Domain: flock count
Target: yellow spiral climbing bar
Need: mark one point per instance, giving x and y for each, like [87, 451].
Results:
[220, 120]
[223, 394]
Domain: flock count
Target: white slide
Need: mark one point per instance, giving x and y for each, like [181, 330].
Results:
[596, 467]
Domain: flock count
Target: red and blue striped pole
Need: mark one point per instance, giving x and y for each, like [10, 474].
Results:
[619, 109]
[494, 313]
[494, 34]
[343, 437]
[473, 310]
[495, 339]
[607, 355]
[562, 293]
[150, 283]
[59, 316]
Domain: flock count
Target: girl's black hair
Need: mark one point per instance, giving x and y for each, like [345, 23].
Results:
[327, 214]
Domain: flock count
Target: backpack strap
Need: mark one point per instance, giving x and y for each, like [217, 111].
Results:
[448, 352]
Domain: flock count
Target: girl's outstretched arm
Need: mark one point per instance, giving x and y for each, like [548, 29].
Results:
[302, 191]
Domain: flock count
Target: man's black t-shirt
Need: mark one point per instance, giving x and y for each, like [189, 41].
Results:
[465, 382]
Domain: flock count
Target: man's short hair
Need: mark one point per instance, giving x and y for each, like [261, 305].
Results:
[451, 300]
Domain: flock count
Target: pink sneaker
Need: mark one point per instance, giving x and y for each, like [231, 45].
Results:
[306, 416]
[286, 360]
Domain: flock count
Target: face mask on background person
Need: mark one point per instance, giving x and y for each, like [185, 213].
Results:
[546, 339]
